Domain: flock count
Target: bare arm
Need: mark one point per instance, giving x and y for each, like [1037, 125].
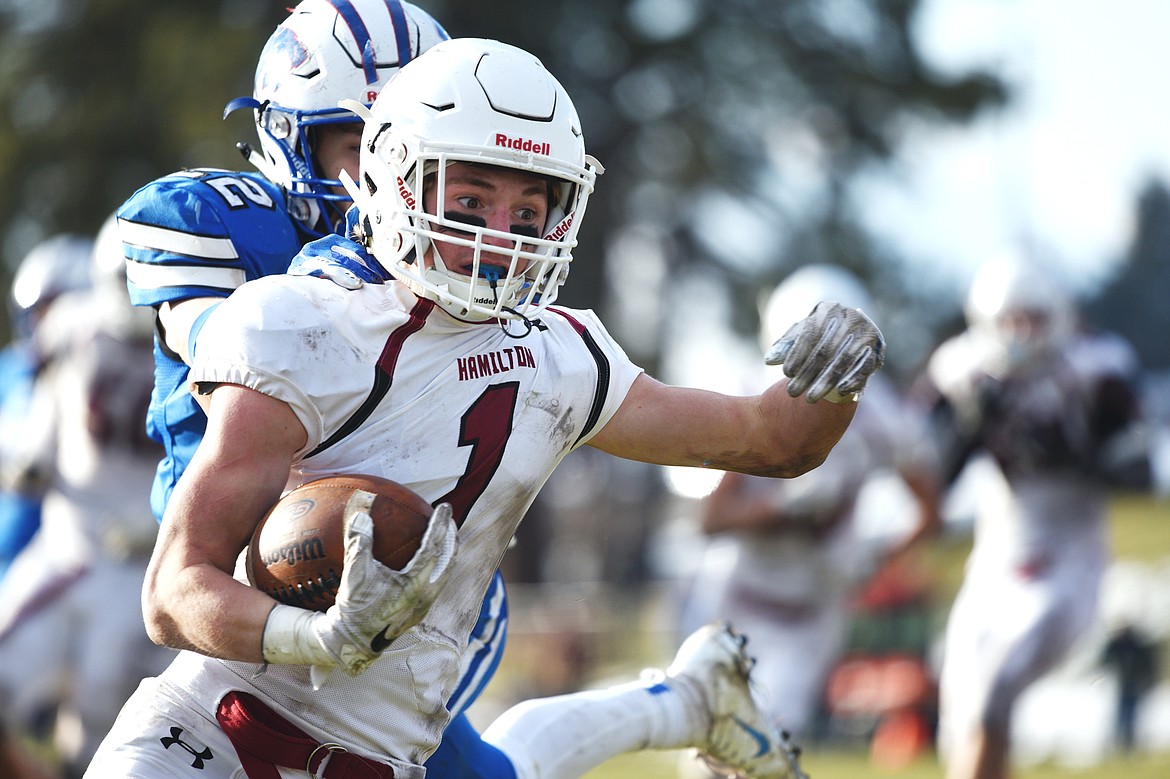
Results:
[927, 491]
[771, 434]
[190, 599]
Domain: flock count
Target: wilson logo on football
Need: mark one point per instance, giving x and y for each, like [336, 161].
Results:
[296, 552]
[523, 144]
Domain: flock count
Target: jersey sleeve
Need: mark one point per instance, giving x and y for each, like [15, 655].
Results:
[248, 341]
[203, 233]
[616, 372]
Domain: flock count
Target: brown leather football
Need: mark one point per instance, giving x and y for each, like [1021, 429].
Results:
[297, 551]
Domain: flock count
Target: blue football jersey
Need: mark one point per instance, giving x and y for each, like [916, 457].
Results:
[197, 233]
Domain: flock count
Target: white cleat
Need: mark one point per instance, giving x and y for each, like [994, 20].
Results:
[742, 741]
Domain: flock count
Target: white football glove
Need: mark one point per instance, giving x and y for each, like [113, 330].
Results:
[375, 604]
[829, 354]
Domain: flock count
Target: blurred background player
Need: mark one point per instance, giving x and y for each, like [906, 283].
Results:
[71, 629]
[785, 557]
[1056, 408]
[53, 267]
[57, 265]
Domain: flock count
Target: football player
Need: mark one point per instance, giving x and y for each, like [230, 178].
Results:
[71, 637]
[57, 265]
[194, 236]
[460, 379]
[1057, 409]
[786, 556]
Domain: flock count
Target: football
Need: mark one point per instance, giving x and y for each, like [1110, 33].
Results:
[297, 552]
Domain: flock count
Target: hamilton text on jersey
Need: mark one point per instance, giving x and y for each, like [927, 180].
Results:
[480, 365]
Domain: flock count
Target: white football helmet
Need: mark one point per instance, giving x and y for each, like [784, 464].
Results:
[53, 267]
[480, 102]
[794, 298]
[118, 315]
[1020, 310]
[326, 51]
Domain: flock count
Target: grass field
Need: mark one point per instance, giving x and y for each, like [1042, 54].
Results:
[664, 765]
[630, 636]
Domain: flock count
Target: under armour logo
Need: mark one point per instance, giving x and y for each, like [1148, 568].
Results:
[201, 757]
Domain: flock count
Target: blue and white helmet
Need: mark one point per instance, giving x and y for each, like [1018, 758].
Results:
[326, 51]
[476, 101]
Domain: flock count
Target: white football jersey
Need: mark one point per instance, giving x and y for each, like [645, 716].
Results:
[388, 384]
[1045, 502]
[87, 429]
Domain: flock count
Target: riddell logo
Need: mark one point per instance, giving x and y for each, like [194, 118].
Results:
[561, 229]
[523, 144]
[407, 195]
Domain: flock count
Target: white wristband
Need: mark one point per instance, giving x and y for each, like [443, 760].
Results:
[289, 638]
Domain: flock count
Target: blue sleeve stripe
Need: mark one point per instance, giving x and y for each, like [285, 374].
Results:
[146, 276]
[175, 241]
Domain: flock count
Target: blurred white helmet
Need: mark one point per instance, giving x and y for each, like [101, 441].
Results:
[480, 102]
[118, 315]
[55, 266]
[794, 298]
[1020, 309]
[326, 51]
[109, 257]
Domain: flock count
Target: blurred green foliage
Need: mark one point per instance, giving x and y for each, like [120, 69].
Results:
[684, 101]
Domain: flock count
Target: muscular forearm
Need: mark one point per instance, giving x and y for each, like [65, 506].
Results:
[771, 434]
[796, 436]
[204, 610]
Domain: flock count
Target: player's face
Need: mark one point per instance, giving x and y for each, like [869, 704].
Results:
[1025, 325]
[338, 148]
[486, 196]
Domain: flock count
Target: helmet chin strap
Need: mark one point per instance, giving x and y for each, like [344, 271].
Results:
[491, 275]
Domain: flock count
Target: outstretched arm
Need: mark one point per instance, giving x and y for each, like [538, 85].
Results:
[787, 430]
[771, 434]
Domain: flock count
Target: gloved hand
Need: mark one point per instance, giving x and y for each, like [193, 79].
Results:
[344, 262]
[829, 354]
[375, 604]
